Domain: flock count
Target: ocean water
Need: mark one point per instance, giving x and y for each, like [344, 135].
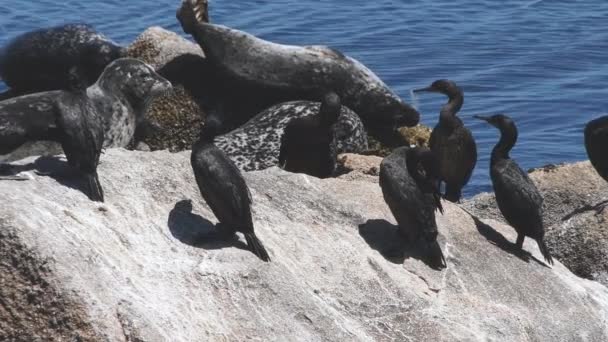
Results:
[544, 63]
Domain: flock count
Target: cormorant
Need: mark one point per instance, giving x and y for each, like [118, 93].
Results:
[596, 142]
[518, 199]
[409, 182]
[452, 143]
[223, 187]
[307, 145]
[67, 117]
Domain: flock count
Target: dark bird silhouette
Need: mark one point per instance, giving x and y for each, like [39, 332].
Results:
[596, 142]
[308, 144]
[223, 187]
[518, 199]
[452, 143]
[408, 178]
[67, 117]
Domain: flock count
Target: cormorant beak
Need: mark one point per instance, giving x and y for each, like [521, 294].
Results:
[429, 89]
[484, 118]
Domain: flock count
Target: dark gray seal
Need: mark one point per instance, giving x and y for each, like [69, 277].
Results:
[256, 145]
[119, 98]
[41, 60]
[266, 68]
[224, 189]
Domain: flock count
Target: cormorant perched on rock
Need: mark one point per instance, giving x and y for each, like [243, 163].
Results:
[409, 182]
[223, 187]
[596, 142]
[308, 146]
[518, 199]
[67, 117]
[452, 143]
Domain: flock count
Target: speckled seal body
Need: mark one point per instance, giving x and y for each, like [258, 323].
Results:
[41, 60]
[256, 144]
[299, 71]
[122, 94]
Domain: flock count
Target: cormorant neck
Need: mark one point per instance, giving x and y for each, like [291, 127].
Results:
[508, 137]
[412, 162]
[447, 115]
[455, 102]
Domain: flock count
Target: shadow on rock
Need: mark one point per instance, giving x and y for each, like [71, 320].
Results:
[196, 231]
[51, 166]
[501, 242]
[387, 239]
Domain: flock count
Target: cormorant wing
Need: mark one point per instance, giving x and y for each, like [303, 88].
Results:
[83, 132]
[225, 189]
[518, 192]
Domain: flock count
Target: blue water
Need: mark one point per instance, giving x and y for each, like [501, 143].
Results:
[545, 63]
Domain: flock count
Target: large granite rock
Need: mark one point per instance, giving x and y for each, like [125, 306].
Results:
[139, 268]
[175, 118]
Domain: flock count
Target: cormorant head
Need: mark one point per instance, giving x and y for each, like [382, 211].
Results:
[500, 121]
[442, 86]
[211, 129]
[330, 107]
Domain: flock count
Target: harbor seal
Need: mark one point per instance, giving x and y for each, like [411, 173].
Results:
[266, 69]
[256, 145]
[41, 60]
[120, 97]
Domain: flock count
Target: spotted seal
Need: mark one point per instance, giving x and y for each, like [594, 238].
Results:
[41, 60]
[256, 145]
[265, 68]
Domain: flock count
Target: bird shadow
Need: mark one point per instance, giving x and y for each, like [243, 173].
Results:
[387, 239]
[196, 231]
[501, 242]
[50, 166]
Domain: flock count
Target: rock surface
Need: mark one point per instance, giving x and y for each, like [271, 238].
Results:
[177, 115]
[581, 244]
[141, 268]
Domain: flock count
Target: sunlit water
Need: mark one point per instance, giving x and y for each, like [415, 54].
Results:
[542, 62]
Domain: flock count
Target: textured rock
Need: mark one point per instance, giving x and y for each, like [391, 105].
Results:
[565, 189]
[357, 167]
[581, 244]
[140, 268]
[177, 115]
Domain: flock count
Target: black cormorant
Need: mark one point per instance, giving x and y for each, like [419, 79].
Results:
[307, 145]
[67, 117]
[451, 141]
[409, 182]
[223, 187]
[596, 143]
[518, 199]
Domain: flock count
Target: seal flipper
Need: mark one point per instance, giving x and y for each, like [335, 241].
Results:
[94, 190]
[256, 246]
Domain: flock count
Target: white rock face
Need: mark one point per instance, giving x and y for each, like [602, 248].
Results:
[138, 267]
